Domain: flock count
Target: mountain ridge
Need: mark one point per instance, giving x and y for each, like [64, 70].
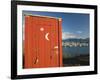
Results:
[76, 40]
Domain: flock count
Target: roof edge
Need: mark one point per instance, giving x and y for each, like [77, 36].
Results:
[42, 16]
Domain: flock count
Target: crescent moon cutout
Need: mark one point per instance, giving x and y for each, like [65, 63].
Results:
[46, 36]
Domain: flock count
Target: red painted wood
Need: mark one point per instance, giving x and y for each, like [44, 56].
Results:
[28, 47]
[42, 36]
[60, 41]
[54, 44]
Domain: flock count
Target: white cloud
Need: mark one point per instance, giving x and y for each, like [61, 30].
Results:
[79, 32]
[67, 35]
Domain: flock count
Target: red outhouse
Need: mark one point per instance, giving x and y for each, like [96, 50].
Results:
[43, 41]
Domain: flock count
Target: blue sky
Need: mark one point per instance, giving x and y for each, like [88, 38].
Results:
[74, 25]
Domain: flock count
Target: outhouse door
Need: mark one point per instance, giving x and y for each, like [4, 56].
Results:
[42, 42]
